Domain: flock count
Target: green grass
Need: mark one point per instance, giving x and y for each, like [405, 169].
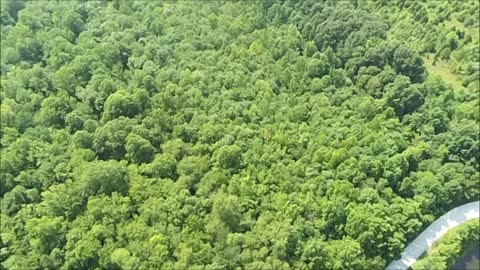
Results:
[442, 69]
[472, 31]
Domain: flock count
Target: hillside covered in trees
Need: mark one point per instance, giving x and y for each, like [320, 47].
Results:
[445, 32]
[230, 134]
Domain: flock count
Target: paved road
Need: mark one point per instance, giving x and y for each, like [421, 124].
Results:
[436, 230]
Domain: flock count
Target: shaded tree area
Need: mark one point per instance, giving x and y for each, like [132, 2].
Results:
[221, 135]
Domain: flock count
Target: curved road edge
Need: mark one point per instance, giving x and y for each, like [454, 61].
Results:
[435, 231]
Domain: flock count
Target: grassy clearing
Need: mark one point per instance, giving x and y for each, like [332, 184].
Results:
[468, 30]
[443, 70]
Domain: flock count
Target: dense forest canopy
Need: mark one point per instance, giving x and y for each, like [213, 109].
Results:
[232, 134]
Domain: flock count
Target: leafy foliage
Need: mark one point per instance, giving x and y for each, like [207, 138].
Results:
[451, 247]
[233, 135]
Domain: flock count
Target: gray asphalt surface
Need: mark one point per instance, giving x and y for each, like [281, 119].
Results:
[433, 232]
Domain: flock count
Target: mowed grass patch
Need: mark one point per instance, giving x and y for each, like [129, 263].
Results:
[443, 70]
